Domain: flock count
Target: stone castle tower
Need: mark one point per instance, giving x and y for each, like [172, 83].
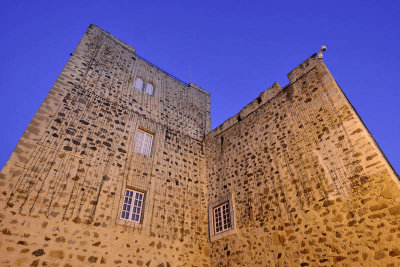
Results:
[119, 167]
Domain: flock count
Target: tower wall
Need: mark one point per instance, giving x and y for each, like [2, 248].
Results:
[307, 182]
[63, 188]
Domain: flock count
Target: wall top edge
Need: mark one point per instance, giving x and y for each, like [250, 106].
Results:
[133, 50]
[268, 94]
[125, 45]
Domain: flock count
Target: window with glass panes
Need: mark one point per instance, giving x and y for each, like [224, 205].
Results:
[139, 84]
[149, 89]
[222, 218]
[144, 87]
[143, 142]
[133, 205]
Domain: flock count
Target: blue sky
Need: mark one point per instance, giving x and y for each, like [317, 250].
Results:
[236, 49]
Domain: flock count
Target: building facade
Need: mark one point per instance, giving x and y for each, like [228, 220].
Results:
[119, 166]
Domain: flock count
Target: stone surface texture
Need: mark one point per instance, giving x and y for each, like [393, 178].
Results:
[63, 186]
[307, 182]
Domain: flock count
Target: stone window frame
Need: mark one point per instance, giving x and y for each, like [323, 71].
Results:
[211, 222]
[142, 212]
[140, 150]
[144, 87]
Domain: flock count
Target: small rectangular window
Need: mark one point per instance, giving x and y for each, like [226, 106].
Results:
[222, 218]
[132, 208]
[143, 142]
[149, 88]
[139, 84]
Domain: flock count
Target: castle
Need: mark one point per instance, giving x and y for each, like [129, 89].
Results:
[119, 167]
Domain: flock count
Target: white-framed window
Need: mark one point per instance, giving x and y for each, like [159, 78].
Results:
[143, 142]
[140, 85]
[132, 207]
[149, 89]
[222, 218]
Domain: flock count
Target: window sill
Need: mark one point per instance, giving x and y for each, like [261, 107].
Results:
[222, 235]
[124, 222]
[143, 155]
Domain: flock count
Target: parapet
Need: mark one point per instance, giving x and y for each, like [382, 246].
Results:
[303, 68]
[123, 44]
[198, 88]
[263, 98]
[268, 94]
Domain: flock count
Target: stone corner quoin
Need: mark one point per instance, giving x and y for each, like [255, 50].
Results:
[119, 166]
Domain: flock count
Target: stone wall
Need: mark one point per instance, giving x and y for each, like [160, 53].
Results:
[61, 191]
[308, 184]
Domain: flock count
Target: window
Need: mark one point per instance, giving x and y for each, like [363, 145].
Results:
[144, 87]
[149, 89]
[139, 84]
[222, 218]
[132, 208]
[143, 142]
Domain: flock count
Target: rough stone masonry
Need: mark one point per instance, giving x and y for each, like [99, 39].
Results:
[294, 179]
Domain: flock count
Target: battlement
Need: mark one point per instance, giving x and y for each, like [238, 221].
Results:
[267, 95]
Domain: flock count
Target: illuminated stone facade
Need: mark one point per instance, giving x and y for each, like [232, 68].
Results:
[296, 172]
